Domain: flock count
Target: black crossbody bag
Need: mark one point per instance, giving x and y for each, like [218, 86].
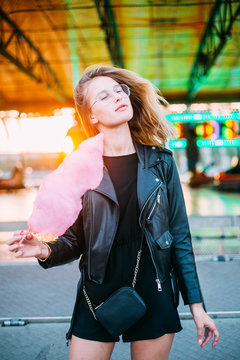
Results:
[124, 307]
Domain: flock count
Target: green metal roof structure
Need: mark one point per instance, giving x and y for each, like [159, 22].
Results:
[188, 49]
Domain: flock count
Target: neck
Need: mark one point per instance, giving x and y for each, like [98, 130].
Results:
[118, 141]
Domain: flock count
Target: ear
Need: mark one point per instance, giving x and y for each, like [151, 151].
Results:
[93, 119]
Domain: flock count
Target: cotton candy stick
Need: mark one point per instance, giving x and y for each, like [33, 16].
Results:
[58, 201]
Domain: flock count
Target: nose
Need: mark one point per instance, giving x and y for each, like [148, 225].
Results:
[116, 96]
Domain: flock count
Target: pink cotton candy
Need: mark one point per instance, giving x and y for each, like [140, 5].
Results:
[58, 201]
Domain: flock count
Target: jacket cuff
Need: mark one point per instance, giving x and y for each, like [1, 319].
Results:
[49, 261]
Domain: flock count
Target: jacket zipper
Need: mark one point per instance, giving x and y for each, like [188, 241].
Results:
[154, 207]
[159, 286]
[147, 202]
[90, 239]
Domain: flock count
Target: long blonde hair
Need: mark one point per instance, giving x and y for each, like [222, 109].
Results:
[149, 125]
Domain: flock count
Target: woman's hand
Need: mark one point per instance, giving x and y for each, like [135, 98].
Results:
[203, 321]
[25, 244]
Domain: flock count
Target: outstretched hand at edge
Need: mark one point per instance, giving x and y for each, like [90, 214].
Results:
[203, 321]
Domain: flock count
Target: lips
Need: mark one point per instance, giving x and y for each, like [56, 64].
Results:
[121, 107]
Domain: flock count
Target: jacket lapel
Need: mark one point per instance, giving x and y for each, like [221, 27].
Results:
[147, 183]
[147, 180]
[106, 186]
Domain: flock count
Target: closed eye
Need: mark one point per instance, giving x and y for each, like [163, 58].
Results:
[103, 95]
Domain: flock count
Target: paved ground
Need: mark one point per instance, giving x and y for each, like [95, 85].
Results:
[46, 342]
[28, 291]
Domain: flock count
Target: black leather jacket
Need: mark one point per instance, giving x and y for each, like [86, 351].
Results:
[167, 232]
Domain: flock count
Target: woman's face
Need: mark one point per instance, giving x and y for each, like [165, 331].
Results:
[110, 105]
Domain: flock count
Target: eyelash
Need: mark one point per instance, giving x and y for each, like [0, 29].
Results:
[104, 97]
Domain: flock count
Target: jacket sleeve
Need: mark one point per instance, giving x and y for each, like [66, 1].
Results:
[183, 257]
[67, 247]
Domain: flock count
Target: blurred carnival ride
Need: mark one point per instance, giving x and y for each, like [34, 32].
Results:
[199, 179]
[16, 180]
[228, 180]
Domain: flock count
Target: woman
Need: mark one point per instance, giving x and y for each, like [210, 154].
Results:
[140, 177]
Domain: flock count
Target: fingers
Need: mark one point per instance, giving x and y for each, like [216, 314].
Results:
[26, 236]
[216, 337]
[209, 333]
[13, 239]
[18, 254]
[29, 236]
[15, 243]
[207, 337]
[200, 335]
[19, 236]
[204, 321]
[14, 247]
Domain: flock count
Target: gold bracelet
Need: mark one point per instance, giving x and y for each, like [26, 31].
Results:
[50, 252]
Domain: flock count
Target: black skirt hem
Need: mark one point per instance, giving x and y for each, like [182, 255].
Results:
[151, 337]
[96, 338]
[127, 339]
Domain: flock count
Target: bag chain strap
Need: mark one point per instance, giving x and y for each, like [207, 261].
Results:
[136, 268]
[89, 302]
[139, 254]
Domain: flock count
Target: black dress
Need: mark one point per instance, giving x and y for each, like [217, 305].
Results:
[161, 316]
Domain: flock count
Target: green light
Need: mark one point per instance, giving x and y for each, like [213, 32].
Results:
[177, 144]
[203, 117]
[181, 144]
[73, 45]
[218, 143]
